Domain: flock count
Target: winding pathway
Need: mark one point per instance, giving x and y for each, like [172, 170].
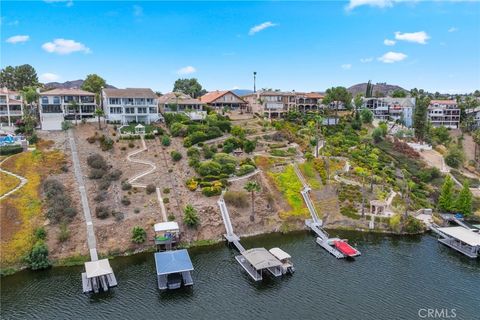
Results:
[152, 168]
[23, 181]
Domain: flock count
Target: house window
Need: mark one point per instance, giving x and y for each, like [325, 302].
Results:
[115, 110]
[56, 100]
[114, 101]
[130, 110]
[44, 100]
[51, 109]
[88, 109]
[87, 99]
[149, 101]
[142, 110]
[152, 110]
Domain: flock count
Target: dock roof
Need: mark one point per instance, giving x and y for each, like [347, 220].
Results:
[173, 261]
[469, 237]
[98, 268]
[260, 258]
[166, 226]
[279, 253]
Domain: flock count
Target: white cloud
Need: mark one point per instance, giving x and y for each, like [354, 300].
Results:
[372, 3]
[186, 70]
[137, 11]
[346, 66]
[389, 42]
[417, 37]
[68, 3]
[392, 57]
[366, 60]
[261, 27]
[49, 77]
[453, 29]
[64, 46]
[18, 39]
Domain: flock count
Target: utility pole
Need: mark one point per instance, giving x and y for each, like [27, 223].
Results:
[254, 81]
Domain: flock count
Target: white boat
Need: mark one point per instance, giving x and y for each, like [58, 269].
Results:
[285, 259]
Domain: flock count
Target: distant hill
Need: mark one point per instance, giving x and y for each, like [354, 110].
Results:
[384, 88]
[75, 84]
[242, 92]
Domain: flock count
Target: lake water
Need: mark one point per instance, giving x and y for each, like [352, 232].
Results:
[393, 279]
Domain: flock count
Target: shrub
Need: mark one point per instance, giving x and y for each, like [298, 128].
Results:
[377, 135]
[38, 256]
[101, 196]
[151, 189]
[104, 183]
[97, 173]
[131, 145]
[166, 200]
[96, 161]
[126, 186]
[64, 233]
[236, 199]
[193, 152]
[102, 212]
[136, 210]
[211, 191]
[9, 150]
[119, 216]
[454, 157]
[59, 203]
[191, 217]
[192, 184]
[245, 169]
[40, 233]
[115, 174]
[176, 156]
[139, 235]
[166, 140]
[106, 143]
[125, 201]
[209, 168]
[166, 190]
[171, 217]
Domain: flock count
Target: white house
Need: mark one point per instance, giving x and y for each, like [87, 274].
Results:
[444, 113]
[11, 107]
[58, 105]
[130, 105]
[391, 109]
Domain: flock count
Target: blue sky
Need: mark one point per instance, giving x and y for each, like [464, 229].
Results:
[303, 46]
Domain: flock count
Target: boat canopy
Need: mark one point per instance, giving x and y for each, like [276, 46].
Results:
[279, 254]
[98, 268]
[166, 226]
[176, 261]
[460, 233]
[260, 258]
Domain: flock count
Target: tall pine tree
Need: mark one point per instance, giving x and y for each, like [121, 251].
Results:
[446, 200]
[420, 117]
[464, 200]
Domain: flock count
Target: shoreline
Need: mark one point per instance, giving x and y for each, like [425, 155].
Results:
[78, 260]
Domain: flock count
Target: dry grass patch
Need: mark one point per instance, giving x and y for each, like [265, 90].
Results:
[8, 183]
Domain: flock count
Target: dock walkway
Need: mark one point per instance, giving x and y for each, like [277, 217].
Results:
[230, 235]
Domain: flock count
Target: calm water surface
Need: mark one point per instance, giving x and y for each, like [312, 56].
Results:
[393, 279]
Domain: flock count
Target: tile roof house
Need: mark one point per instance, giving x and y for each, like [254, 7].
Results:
[223, 99]
[179, 102]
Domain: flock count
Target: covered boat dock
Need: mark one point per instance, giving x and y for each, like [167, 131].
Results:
[256, 260]
[461, 239]
[173, 269]
[98, 274]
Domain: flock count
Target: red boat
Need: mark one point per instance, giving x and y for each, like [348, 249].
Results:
[345, 248]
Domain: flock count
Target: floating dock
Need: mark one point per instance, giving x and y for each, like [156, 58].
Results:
[336, 247]
[254, 261]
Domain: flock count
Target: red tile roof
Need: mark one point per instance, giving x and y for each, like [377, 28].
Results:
[214, 95]
[446, 102]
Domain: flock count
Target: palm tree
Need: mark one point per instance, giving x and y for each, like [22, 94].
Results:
[73, 104]
[252, 187]
[99, 113]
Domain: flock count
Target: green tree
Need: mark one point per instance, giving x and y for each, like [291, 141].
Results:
[420, 117]
[94, 83]
[463, 204]
[74, 105]
[99, 113]
[358, 101]
[252, 187]
[337, 95]
[191, 217]
[38, 256]
[19, 77]
[139, 235]
[446, 199]
[249, 146]
[166, 140]
[440, 135]
[369, 90]
[399, 93]
[367, 115]
[189, 86]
